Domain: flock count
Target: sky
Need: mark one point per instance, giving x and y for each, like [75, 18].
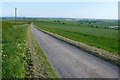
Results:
[82, 9]
[60, 0]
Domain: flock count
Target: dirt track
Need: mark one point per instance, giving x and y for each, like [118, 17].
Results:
[71, 62]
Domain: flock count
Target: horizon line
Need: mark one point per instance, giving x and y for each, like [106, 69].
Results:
[56, 17]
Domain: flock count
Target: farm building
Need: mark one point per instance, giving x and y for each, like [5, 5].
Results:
[114, 27]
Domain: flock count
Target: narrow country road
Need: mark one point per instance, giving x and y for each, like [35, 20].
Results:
[71, 62]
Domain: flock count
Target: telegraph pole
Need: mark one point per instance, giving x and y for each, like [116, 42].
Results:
[15, 14]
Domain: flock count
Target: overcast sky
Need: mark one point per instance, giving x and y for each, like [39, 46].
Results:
[101, 10]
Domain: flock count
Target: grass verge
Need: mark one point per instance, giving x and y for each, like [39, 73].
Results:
[38, 65]
[21, 55]
[13, 50]
[0, 49]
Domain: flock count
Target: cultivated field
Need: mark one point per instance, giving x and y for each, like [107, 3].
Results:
[89, 32]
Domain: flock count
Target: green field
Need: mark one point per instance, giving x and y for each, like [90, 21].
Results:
[92, 34]
[16, 42]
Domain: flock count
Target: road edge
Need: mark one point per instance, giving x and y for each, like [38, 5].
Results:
[35, 48]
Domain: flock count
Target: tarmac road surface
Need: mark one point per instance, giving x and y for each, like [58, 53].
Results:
[71, 62]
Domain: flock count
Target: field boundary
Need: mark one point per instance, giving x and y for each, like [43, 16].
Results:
[105, 55]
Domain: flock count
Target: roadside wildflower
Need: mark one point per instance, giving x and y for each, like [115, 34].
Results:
[3, 55]
[1, 51]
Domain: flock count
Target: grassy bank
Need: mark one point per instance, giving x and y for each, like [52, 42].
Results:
[21, 55]
[13, 50]
[0, 49]
[99, 37]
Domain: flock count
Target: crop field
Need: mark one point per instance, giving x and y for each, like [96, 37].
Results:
[94, 34]
[15, 46]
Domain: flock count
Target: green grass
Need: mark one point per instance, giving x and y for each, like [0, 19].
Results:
[15, 43]
[106, 39]
[13, 50]
[0, 49]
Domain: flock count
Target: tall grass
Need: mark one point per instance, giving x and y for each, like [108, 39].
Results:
[13, 50]
[16, 41]
[0, 49]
